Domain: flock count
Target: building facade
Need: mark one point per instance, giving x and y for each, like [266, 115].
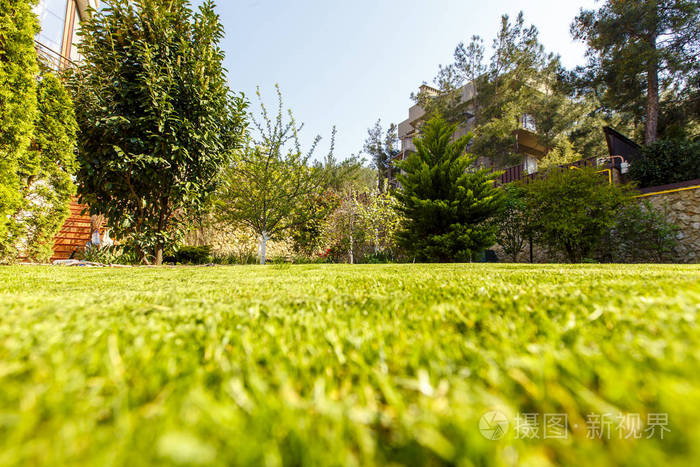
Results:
[524, 139]
[60, 23]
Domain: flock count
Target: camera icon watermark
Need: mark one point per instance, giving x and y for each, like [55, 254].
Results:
[494, 425]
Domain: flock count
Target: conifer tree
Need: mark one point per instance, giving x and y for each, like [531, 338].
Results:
[446, 201]
[642, 53]
[18, 107]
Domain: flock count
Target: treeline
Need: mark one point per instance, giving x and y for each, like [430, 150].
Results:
[148, 133]
[642, 77]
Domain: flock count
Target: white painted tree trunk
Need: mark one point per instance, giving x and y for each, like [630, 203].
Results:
[352, 256]
[263, 246]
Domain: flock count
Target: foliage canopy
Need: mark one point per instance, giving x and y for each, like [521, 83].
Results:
[157, 119]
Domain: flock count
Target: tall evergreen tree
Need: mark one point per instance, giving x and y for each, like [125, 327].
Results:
[445, 200]
[641, 50]
[46, 176]
[382, 147]
[157, 119]
[18, 107]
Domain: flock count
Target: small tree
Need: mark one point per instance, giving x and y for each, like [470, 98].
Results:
[446, 201]
[157, 118]
[513, 223]
[382, 147]
[365, 223]
[343, 229]
[574, 209]
[562, 154]
[270, 187]
[381, 220]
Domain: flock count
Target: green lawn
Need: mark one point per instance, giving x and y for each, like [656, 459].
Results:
[348, 365]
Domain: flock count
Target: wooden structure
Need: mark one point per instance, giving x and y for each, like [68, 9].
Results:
[74, 234]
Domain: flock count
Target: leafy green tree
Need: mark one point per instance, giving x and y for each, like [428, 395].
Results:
[639, 51]
[572, 210]
[338, 177]
[343, 230]
[18, 108]
[563, 153]
[37, 142]
[514, 222]
[382, 147]
[362, 227]
[271, 187]
[446, 202]
[157, 119]
[381, 220]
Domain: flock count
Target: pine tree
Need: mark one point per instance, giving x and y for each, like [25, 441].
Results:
[445, 200]
[382, 147]
[641, 51]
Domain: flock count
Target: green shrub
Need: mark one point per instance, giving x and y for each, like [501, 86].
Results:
[18, 110]
[234, 258]
[190, 255]
[115, 254]
[642, 234]
[667, 161]
[573, 210]
[513, 223]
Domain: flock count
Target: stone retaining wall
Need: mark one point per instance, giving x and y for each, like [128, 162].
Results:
[681, 204]
[682, 207]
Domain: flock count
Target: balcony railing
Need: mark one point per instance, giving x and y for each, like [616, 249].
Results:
[53, 59]
[518, 172]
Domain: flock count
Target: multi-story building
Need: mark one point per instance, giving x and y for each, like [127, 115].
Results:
[524, 139]
[60, 23]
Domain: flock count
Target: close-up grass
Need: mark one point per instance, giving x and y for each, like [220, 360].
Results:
[350, 365]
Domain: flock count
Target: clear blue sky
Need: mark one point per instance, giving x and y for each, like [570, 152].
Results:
[347, 63]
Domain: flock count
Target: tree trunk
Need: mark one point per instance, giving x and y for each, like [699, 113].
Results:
[352, 256]
[264, 237]
[159, 256]
[652, 117]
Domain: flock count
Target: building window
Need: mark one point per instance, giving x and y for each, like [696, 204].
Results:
[529, 123]
[52, 18]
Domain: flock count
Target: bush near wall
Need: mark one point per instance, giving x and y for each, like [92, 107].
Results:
[667, 161]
